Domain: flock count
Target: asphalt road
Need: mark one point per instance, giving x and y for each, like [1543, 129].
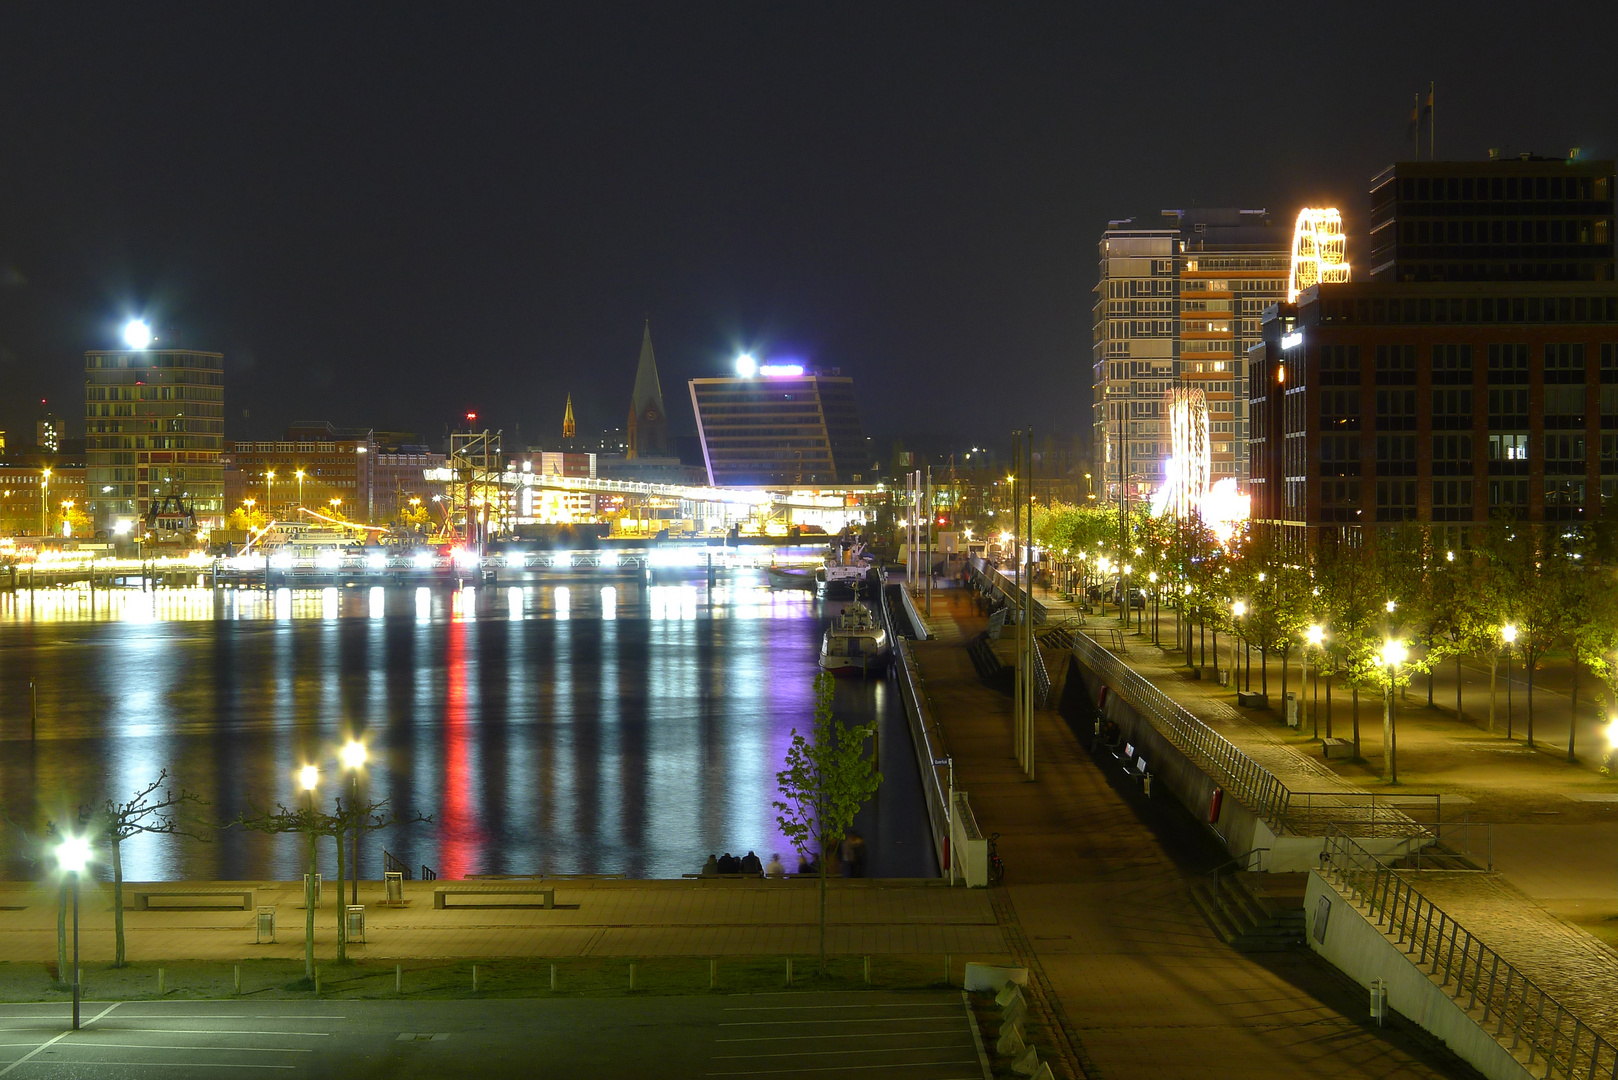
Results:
[903, 1036]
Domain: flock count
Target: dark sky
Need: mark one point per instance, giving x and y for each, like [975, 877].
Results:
[387, 215]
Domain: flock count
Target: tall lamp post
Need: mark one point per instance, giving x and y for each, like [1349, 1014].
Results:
[1151, 579]
[1508, 634]
[1123, 590]
[44, 501]
[1238, 609]
[72, 854]
[1313, 638]
[299, 475]
[269, 488]
[353, 755]
[1393, 654]
[309, 779]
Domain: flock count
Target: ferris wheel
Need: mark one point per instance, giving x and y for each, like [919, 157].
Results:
[1318, 249]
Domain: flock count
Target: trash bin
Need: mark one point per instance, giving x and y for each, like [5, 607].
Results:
[354, 927]
[1292, 708]
[265, 924]
[393, 885]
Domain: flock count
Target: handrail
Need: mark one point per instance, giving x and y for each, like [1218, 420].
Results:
[1243, 779]
[914, 699]
[1450, 953]
[1239, 863]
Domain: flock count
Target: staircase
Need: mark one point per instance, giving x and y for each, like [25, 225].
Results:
[1254, 912]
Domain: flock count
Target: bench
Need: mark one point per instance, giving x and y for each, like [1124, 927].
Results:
[1331, 748]
[496, 895]
[141, 899]
[509, 895]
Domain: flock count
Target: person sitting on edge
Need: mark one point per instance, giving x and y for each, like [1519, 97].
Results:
[751, 865]
[729, 864]
[774, 868]
[711, 867]
[804, 865]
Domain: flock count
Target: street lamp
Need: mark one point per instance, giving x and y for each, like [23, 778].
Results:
[72, 854]
[44, 500]
[1393, 654]
[299, 475]
[1123, 593]
[353, 756]
[1314, 636]
[1151, 579]
[269, 484]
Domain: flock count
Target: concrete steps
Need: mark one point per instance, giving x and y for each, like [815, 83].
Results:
[1253, 912]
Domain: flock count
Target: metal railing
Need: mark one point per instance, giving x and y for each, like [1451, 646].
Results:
[921, 734]
[392, 864]
[1242, 778]
[1475, 976]
[428, 873]
[1363, 813]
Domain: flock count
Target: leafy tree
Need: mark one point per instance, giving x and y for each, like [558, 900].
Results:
[826, 781]
[146, 812]
[247, 519]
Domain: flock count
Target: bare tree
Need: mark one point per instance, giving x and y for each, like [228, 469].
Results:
[147, 812]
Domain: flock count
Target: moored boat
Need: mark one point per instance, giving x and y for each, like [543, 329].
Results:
[854, 642]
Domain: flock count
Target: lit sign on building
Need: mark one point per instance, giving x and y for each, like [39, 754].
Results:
[775, 371]
[1318, 248]
[1292, 341]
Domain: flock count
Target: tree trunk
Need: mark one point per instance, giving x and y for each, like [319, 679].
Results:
[309, 916]
[1263, 672]
[1328, 705]
[342, 928]
[1356, 723]
[1530, 666]
[1284, 653]
[823, 906]
[1573, 712]
[117, 900]
[1459, 713]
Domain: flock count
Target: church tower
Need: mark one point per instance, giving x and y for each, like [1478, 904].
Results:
[569, 428]
[648, 428]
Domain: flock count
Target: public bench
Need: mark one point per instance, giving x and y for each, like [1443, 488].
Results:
[142, 899]
[501, 895]
[1331, 748]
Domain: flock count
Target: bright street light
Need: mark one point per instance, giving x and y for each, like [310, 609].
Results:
[308, 777]
[353, 754]
[72, 854]
[1508, 633]
[746, 366]
[1389, 606]
[137, 335]
[1238, 609]
[1394, 652]
[1316, 635]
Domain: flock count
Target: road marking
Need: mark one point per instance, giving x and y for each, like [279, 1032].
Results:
[849, 1068]
[162, 1064]
[154, 1046]
[854, 1035]
[59, 1038]
[800, 1008]
[230, 1031]
[839, 1053]
[226, 1016]
[851, 1020]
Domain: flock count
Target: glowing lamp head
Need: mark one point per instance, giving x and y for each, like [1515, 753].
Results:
[1238, 609]
[308, 777]
[746, 366]
[1152, 577]
[73, 854]
[1449, 556]
[1612, 732]
[1316, 635]
[1394, 652]
[1389, 606]
[1508, 633]
[137, 335]
[353, 754]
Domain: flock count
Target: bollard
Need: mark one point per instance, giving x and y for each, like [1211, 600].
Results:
[789, 971]
[553, 977]
[474, 978]
[236, 978]
[160, 990]
[398, 978]
[713, 973]
[867, 971]
[33, 711]
[632, 974]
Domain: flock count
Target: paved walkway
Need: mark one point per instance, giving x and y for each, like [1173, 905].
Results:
[596, 918]
[1097, 901]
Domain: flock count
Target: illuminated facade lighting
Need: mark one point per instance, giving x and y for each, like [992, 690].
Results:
[1318, 250]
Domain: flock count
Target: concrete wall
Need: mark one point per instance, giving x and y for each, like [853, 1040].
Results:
[1357, 948]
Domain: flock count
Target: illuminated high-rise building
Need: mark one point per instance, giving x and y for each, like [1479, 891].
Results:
[154, 427]
[1177, 306]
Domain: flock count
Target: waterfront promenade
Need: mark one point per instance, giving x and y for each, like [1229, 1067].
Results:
[1096, 900]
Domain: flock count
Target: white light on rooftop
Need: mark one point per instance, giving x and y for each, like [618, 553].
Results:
[137, 335]
[746, 366]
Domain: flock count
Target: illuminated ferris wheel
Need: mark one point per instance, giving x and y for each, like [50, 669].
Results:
[1318, 250]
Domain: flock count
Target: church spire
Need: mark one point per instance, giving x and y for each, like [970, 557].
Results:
[648, 428]
[569, 428]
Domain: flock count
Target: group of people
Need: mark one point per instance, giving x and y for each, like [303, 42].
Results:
[848, 862]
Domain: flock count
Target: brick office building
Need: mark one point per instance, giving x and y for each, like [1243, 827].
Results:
[1475, 374]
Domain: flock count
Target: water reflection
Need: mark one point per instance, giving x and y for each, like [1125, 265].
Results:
[568, 728]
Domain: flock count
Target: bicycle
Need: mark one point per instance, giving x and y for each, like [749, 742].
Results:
[997, 868]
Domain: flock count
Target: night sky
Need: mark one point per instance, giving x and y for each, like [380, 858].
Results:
[387, 215]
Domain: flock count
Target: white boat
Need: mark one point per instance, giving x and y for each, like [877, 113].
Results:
[845, 568]
[854, 642]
